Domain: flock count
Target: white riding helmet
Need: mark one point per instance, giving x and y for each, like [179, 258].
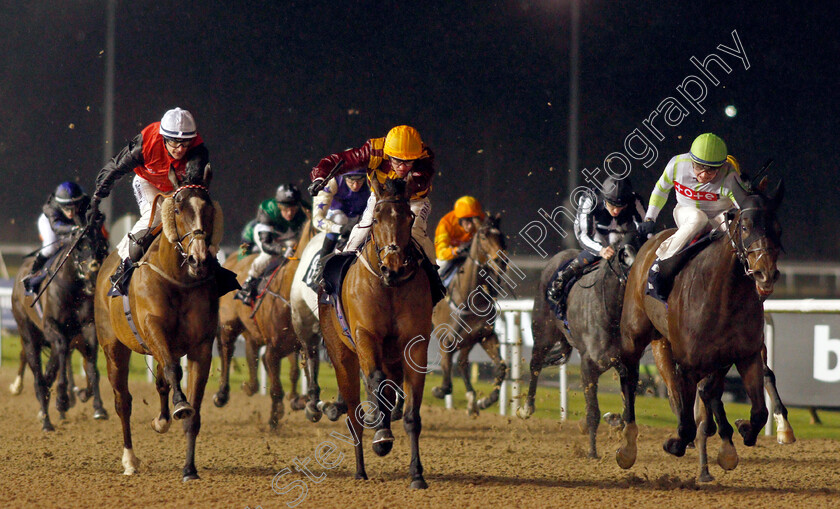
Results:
[178, 123]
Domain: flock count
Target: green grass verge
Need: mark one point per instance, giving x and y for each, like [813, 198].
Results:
[650, 411]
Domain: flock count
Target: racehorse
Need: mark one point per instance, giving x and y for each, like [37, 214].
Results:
[269, 325]
[387, 303]
[713, 319]
[66, 322]
[593, 314]
[172, 310]
[480, 273]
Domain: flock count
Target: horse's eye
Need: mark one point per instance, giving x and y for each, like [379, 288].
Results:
[743, 228]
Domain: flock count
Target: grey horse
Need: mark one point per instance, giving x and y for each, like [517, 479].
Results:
[594, 311]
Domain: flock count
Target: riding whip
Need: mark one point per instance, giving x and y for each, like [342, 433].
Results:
[82, 233]
[316, 186]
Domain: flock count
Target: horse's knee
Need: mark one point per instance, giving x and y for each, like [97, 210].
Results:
[412, 422]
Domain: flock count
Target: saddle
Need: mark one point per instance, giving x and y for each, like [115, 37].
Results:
[662, 273]
[32, 284]
[335, 268]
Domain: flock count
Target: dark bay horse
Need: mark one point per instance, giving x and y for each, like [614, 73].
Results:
[271, 326]
[174, 307]
[388, 305]
[593, 314]
[480, 272]
[714, 319]
[67, 323]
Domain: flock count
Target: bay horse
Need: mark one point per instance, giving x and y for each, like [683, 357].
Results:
[174, 310]
[713, 319]
[270, 325]
[593, 314]
[66, 322]
[480, 272]
[388, 305]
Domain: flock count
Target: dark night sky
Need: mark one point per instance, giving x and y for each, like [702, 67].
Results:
[485, 83]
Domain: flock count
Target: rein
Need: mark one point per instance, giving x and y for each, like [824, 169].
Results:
[378, 250]
[742, 246]
[195, 234]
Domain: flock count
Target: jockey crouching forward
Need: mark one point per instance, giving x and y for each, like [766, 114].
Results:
[170, 143]
[706, 180]
[399, 154]
[279, 223]
[339, 207]
[612, 217]
[61, 216]
[454, 233]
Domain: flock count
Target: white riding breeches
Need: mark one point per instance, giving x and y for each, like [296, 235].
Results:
[261, 261]
[420, 208]
[49, 246]
[690, 223]
[145, 194]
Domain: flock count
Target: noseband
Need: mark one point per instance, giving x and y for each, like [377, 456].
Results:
[743, 247]
[390, 248]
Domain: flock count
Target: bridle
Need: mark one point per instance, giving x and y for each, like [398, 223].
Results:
[197, 234]
[743, 247]
[410, 260]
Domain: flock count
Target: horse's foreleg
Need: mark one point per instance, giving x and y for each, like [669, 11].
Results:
[413, 385]
[589, 374]
[752, 373]
[346, 366]
[628, 372]
[251, 386]
[117, 356]
[227, 338]
[42, 389]
[685, 390]
[296, 401]
[91, 352]
[727, 456]
[161, 422]
[784, 432]
[72, 389]
[272, 359]
[198, 364]
[710, 390]
[445, 387]
[313, 390]
[491, 345]
[59, 346]
[464, 370]
[17, 386]
[537, 362]
[382, 390]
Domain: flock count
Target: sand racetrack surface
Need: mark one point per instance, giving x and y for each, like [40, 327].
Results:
[487, 462]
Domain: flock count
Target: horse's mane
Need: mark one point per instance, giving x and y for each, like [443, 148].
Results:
[393, 188]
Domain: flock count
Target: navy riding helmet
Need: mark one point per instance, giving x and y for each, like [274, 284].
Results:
[618, 193]
[68, 193]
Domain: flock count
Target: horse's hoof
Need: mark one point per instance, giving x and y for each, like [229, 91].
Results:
[100, 414]
[727, 456]
[583, 428]
[16, 387]
[129, 462]
[472, 408]
[625, 457]
[441, 392]
[396, 414]
[249, 389]
[383, 442]
[47, 426]
[62, 416]
[593, 455]
[785, 437]
[485, 403]
[299, 403]
[190, 477]
[183, 410]
[361, 476]
[82, 394]
[705, 477]
[313, 414]
[674, 446]
[418, 484]
[525, 412]
[220, 399]
[161, 425]
[614, 420]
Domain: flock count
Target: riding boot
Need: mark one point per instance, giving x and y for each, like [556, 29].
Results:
[37, 265]
[661, 278]
[436, 285]
[122, 276]
[554, 293]
[249, 290]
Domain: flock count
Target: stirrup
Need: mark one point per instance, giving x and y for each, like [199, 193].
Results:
[655, 282]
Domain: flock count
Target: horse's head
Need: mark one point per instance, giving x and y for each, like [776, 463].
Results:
[189, 220]
[621, 262]
[396, 257]
[756, 236]
[87, 257]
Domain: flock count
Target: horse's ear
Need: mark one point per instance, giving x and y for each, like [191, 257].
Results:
[776, 195]
[208, 175]
[497, 219]
[375, 186]
[409, 185]
[762, 185]
[173, 179]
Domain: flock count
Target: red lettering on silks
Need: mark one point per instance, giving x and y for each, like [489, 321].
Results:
[695, 195]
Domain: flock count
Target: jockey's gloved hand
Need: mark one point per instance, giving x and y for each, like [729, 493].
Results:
[316, 186]
[93, 211]
[346, 229]
[462, 250]
[647, 228]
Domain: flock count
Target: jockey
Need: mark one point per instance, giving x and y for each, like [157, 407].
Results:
[61, 216]
[170, 143]
[455, 231]
[706, 179]
[339, 206]
[280, 221]
[607, 218]
[397, 155]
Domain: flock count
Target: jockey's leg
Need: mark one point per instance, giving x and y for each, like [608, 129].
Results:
[360, 231]
[421, 209]
[249, 286]
[690, 222]
[572, 271]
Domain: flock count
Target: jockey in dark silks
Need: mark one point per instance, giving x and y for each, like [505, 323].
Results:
[339, 207]
[63, 213]
[279, 223]
[610, 217]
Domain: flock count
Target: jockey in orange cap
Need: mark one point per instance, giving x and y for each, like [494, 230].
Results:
[455, 231]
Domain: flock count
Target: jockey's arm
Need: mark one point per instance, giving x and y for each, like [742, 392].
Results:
[354, 158]
[638, 210]
[320, 207]
[584, 225]
[269, 242]
[659, 195]
[444, 250]
[58, 223]
[124, 162]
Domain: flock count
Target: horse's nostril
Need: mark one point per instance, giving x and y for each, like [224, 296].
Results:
[191, 260]
[383, 269]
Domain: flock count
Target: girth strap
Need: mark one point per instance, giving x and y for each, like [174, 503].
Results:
[131, 324]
